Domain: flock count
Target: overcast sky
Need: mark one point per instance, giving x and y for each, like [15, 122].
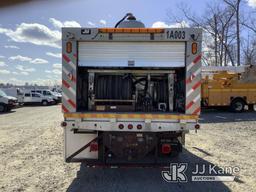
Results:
[30, 32]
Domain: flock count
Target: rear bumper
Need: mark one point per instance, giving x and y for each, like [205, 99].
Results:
[81, 130]
[11, 105]
[130, 122]
[135, 149]
[147, 126]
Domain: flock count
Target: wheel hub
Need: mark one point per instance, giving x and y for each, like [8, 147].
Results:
[239, 106]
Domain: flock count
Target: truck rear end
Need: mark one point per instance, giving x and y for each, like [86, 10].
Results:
[130, 94]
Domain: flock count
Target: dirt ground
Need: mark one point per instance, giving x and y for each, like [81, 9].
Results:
[31, 156]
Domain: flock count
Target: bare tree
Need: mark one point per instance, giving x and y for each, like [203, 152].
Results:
[250, 22]
[215, 34]
[249, 51]
[226, 35]
[251, 26]
[218, 22]
[235, 5]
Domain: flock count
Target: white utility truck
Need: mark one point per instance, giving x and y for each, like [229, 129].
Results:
[130, 93]
[30, 98]
[7, 102]
[48, 93]
[14, 92]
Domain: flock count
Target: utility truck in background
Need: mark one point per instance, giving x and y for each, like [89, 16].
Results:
[129, 93]
[233, 87]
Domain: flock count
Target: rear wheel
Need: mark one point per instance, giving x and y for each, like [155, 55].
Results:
[237, 105]
[8, 109]
[2, 108]
[44, 103]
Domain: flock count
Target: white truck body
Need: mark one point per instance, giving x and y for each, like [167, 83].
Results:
[14, 92]
[7, 102]
[153, 54]
[47, 93]
[36, 98]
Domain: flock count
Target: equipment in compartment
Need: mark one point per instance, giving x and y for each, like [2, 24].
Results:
[133, 90]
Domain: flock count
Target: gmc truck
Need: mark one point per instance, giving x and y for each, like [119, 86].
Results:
[130, 93]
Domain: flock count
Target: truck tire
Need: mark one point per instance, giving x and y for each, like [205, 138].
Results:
[8, 109]
[237, 105]
[45, 103]
[2, 108]
[252, 107]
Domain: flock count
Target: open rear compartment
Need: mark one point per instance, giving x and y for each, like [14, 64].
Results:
[131, 90]
[146, 77]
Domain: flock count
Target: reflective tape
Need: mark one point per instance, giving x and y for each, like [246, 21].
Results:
[64, 109]
[194, 62]
[130, 116]
[65, 57]
[197, 98]
[197, 111]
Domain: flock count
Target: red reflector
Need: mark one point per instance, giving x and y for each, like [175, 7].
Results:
[139, 126]
[130, 126]
[197, 126]
[166, 148]
[121, 126]
[63, 124]
[94, 146]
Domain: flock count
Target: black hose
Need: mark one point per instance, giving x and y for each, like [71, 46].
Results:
[128, 14]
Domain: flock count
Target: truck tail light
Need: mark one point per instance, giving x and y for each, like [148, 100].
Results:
[120, 126]
[63, 124]
[197, 126]
[94, 146]
[166, 148]
[68, 47]
[139, 126]
[130, 126]
[194, 48]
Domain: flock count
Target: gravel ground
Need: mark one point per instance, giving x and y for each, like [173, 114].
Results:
[31, 155]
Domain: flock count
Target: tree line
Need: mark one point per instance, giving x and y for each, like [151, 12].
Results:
[229, 37]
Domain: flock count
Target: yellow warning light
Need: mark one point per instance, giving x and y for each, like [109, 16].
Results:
[194, 48]
[68, 47]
